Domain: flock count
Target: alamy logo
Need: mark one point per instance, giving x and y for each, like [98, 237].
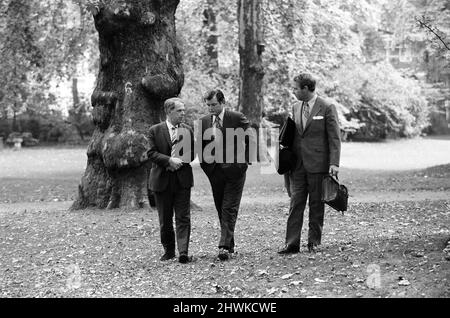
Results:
[74, 277]
[374, 276]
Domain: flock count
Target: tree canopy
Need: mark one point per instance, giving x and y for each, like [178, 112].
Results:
[355, 48]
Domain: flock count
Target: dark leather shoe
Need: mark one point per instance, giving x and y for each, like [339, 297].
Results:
[224, 255]
[167, 256]
[289, 250]
[184, 258]
[312, 247]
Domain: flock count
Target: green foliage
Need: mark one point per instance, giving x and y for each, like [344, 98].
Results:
[389, 104]
[343, 42]
[49, 127]
[338, 41]
[191, 40]
[44, 41]
[20, 57]
[5, 128]
[436, 14]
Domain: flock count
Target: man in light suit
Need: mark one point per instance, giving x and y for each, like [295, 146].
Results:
[226, 163]
[171, 179]
[317, 146]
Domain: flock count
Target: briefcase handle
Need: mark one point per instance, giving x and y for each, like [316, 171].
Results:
[335, 178]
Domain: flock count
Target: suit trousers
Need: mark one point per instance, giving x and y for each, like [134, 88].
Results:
[227, 193]
[302, 186]
[174, 199]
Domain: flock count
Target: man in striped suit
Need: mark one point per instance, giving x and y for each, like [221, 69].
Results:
[171, 179]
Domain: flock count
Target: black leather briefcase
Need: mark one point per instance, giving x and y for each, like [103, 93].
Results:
[287, 133]
[286, 159]
[334, 194]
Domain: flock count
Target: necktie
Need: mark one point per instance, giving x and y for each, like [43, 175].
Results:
[174, 140]
[217, 122]
[216, 125]
[305, 113]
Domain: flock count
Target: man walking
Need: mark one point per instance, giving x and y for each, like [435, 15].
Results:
[171, 179]
[317, 146]
[226, 163]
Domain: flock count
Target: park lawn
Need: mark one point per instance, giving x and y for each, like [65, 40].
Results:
[61, 186]
[378, 248]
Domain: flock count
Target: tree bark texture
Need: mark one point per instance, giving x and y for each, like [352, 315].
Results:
[251, 47]
[77, 113]
[212, 37]
[140, 67]
[75, 94]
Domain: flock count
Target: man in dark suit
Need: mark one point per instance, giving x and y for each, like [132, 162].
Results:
[224, 155]
[171, 179]
[317, 146]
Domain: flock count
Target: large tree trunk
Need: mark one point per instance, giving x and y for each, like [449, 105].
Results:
[212, 38]
[140, 67]
[251, 46]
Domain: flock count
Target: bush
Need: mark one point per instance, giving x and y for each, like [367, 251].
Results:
[5, 128]
[387, 103]
[26, 137]
[56, 132]
[49, 128]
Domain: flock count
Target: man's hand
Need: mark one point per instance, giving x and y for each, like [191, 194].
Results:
[144, 157]
[334, 170]
[175, 164]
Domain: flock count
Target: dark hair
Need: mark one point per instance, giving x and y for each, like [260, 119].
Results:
[215, 92]
[170, 104]
[305, 79]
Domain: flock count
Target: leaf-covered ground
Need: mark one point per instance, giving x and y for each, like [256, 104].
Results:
[379, 248]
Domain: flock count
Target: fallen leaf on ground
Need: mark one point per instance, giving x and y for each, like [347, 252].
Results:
[295, 283]
[287, 276]
[272, 290]
[318, 280]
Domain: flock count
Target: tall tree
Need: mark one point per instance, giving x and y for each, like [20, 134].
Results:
[140, 67]
[212, 37]
[251, 47]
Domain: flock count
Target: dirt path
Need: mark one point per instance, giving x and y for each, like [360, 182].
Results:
[367, 197]
[116, 253]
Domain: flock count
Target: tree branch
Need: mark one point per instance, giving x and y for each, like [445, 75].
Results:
[423, 24]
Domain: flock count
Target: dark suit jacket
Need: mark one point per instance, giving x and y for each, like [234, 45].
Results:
[232, 168]
[318, 144]
[159, 154]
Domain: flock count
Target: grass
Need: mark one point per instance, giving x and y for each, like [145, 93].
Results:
[379, 248]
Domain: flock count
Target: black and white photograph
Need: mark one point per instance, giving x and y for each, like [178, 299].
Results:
[224, 156]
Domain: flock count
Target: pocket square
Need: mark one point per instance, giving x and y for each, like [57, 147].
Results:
[317, 117]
